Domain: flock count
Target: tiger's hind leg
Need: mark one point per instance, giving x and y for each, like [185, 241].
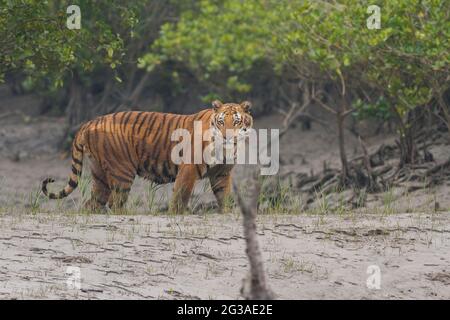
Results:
[100, 189]
[184, 185]
[120, 189]
[118, 198]
[221, 186]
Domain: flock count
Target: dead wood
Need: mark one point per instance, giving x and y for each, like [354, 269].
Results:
[255, 286]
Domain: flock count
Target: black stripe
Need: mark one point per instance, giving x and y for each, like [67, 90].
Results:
[151, 171]
[218, 189]
[108, 147]
[88, 139]
[143, 120]
[166, 171]
[161, 125]
[158, 135]
[201, 114]
[124, 146]
[77, 161]
[183, 123]
[97, 140]
[78, 148]
[112, 158]
[177, 122]
[125, 150]
[130, 158]
[156, 177]
[73, 184]
[136, 120]
[199, 172]
[146, 163]
[125, 190]
[113, 122]
[150, 125]
[75, 171]
[112, 133]
[172, 127]
[120, 169]
[127, 116]
[99, 180]
[122, 179]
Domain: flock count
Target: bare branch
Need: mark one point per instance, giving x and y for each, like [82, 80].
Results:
[255, 286]
[295, 111]
[324, 105]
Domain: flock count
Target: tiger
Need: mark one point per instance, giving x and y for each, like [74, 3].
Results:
[123, 145]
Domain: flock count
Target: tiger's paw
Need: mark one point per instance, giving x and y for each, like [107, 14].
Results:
[94, 206]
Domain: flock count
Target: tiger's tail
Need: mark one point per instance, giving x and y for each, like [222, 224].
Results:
[77, 165]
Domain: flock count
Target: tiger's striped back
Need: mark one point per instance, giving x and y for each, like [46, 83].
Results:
[125, 144]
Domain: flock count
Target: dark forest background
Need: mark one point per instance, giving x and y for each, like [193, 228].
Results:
[287, 57]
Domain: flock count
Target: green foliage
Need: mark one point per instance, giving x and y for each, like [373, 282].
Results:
[213, 39]
[320, 33]
[411, 48]
[34, 38]
[413, 52]
[403, 59]
[221, 43]
[379, 109]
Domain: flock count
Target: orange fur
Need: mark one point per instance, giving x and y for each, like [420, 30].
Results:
[125, 144]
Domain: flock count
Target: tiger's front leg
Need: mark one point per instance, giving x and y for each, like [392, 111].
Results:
[221, 186]
[184, 185]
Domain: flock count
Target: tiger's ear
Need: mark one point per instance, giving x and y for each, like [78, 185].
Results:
[216, 105]
[246, 105]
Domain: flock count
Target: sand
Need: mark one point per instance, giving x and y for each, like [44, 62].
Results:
[203, 257]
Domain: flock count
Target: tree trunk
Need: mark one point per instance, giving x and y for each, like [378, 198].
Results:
[443, 106]
[340, 116]
[75, 111]
[408, 150]
[134, 97]
[255, 285]
[406, 144]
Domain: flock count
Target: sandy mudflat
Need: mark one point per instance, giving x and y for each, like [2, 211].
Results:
[202, 256]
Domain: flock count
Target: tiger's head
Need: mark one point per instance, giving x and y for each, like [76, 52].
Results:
[231, 121]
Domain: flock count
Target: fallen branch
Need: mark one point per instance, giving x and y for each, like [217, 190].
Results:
[437, 168]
